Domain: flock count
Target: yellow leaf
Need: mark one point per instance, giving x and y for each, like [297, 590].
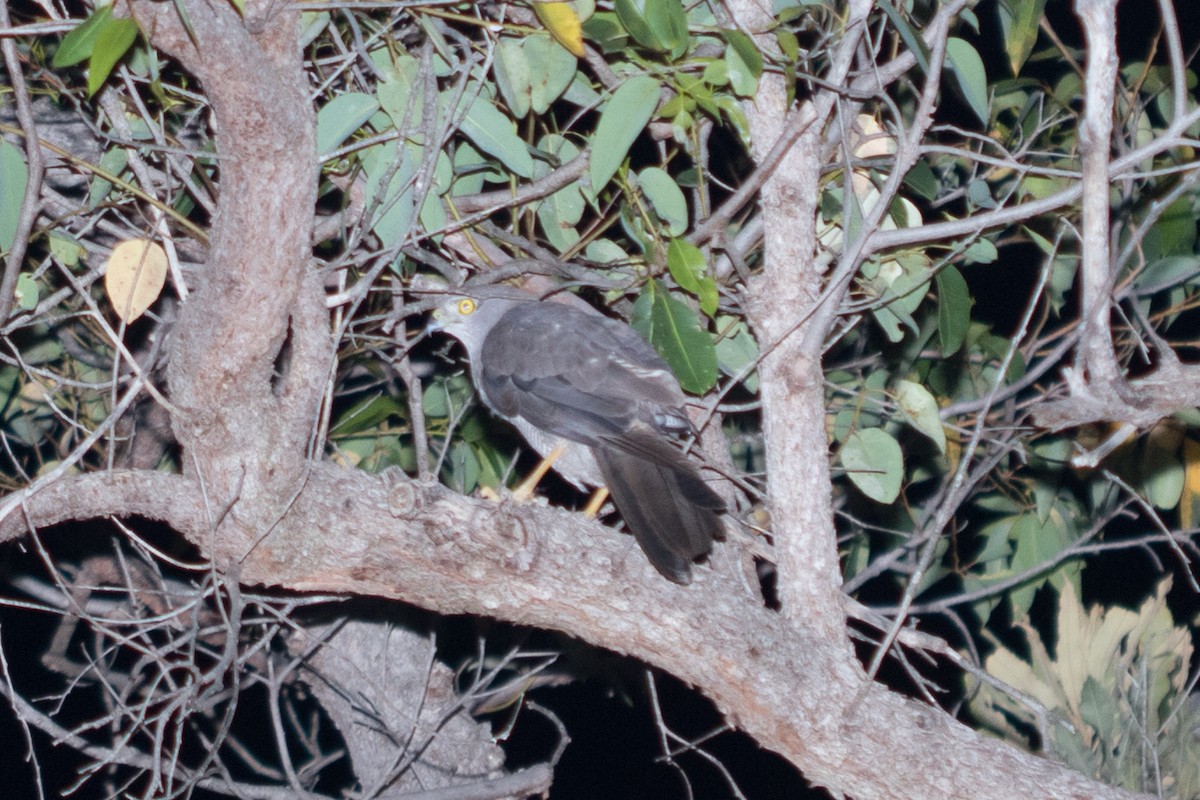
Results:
[1191, 483]
[867, 140]
[563, 23]
[134, 277]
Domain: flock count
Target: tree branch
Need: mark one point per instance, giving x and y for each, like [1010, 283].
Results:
[31, 202]
[549, 568]
[222, 370]
[1095, 137]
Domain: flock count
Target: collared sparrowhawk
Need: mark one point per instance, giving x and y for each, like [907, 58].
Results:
[559, 373]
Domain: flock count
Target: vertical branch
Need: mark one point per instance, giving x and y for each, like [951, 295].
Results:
[1095, 134]
[1179, 88]
[782, 301]
[33, 157]
[246, 403]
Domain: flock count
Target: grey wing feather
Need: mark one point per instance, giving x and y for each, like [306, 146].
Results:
[574, 374]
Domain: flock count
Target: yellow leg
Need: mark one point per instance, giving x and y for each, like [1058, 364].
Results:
[593, 506]
[525, 491]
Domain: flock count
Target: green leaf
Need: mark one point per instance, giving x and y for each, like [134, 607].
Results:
[664, 194]
[391, 207]
[874, 463]
[744, 63]
[669, 22]
[65, 247]
[341, 117]
[560, 212]
[981, 251]
[686, 262]
[312, 25]
[1100, 710]
[1019, 21]
[493, 465]
[41, 351]
[111, 163]
[580, 92]
[605, 29]
[605, 251]
[920, 409]
[997, 545]
[1038, 543]
[77, 45]
[937, 569]
[27, 292]
[674, 330]
[14, 177]
[433, 212]
[736, 116]
[113, 41]
[999, 503]
[901, 284]
[980, 194]
[495, 134]
[511, 70]
[789, 45]
[967, 67]
[856, 558]
[689, 269]
[395, 92]
[954, 309]
[1045, 245]
[462, 467]
[655, 24]
[922, 180]
[746, 49]
[621, 121]
[716, 73]
[741, 78]
[446, 396]
[913, 43]
[1165, 273]
[736, 350]
[633, 20]
[551, 70]
[1174, 233]
[368, 414]
[1163, 470]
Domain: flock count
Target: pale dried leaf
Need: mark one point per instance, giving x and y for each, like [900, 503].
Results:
[134, 277]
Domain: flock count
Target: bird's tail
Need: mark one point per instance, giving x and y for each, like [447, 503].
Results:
[666, 504]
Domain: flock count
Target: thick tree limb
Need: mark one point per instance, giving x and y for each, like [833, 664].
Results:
[244, 429]
[159, 496]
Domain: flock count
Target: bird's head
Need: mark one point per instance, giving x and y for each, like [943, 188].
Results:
[468, 318]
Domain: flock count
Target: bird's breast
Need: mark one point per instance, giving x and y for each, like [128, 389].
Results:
[576, 465]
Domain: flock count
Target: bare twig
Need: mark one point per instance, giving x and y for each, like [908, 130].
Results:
[30, 203]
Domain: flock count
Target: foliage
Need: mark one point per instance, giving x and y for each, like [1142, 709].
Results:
[1115, 697]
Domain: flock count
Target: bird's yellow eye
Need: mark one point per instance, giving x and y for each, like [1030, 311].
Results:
[466, 306]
